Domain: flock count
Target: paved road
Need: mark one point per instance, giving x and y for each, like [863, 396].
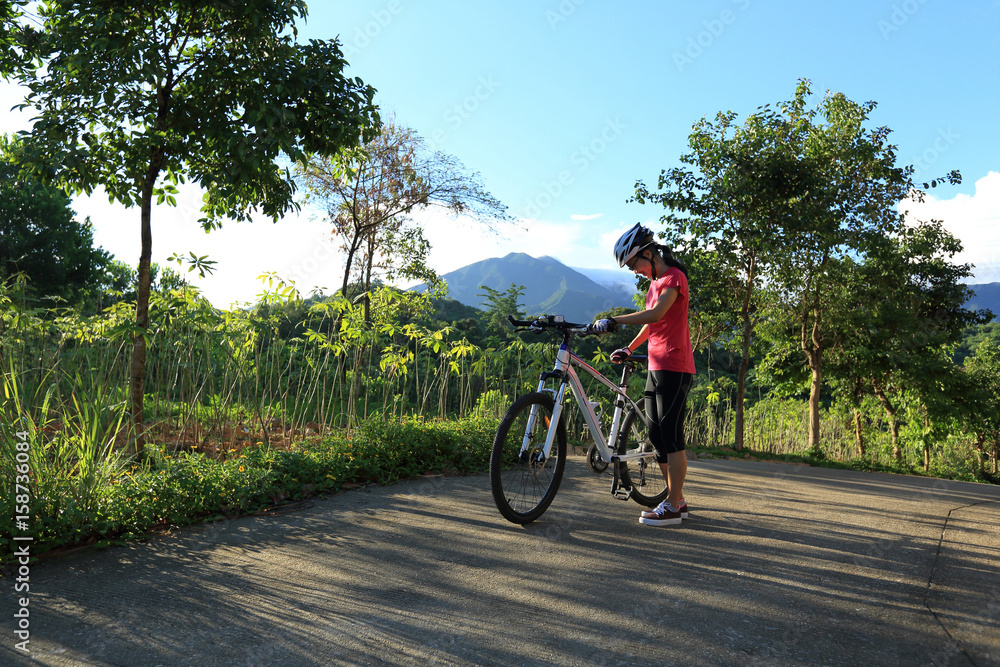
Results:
[778, 565]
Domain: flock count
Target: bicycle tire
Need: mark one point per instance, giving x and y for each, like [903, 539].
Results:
[522, 487]
[649, 488]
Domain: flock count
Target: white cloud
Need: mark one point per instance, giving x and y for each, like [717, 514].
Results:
[299, 247]
[459, 242]
[974, 219]
[296, 248]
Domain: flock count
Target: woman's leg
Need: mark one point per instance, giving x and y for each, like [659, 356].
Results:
[675, 470]
[666, 403]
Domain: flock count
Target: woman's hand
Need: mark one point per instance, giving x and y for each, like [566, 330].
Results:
[620, 355]
[604, 326]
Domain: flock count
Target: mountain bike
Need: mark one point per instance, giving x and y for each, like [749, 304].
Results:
[529, 449]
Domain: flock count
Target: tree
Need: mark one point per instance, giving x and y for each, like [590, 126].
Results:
[983, 369]
[847, 209]
[499, 305]
[845, 216]
[790, 200]
[138, 98]
[40, 237]
[729, 212]
[120, 281]
[369, 195]
[905, 312]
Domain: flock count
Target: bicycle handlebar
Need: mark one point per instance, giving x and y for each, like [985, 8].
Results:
[558, 322]
[539, 324]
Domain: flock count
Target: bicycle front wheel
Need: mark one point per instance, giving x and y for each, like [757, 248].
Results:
[522, 480]
[644, 475]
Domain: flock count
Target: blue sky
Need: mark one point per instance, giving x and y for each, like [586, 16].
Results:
[562, 105]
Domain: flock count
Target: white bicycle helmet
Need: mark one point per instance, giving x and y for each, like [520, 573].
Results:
[631, 243]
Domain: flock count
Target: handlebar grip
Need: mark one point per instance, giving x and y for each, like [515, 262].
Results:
[612, 327]
[518, 323]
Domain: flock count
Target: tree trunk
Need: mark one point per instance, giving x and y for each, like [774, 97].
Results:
[368, 281]
[814, 360]
[927, 444]
[137, 372]
[741, 379]
[890, 410]
[980, 447]
[815, 386]
[351, 251]
[996, 455]
[859, 434]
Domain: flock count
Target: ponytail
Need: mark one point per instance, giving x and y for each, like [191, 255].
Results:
[667, 254]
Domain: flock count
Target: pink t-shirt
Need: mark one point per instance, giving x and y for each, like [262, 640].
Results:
[670, 338]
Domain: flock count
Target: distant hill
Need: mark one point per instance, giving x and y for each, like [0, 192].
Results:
[620, 281]
[551, 287]
[987, 296]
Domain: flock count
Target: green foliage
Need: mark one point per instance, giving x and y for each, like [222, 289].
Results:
[138, 100]
[792, 225]
[70, 459]
[973, 336]
[983, 414]
[234, 392]
[500, 306]
[40, 237]
[212, 92]
[491, 404]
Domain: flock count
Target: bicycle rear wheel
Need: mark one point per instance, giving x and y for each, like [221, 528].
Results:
[523, 483]
[644, 475]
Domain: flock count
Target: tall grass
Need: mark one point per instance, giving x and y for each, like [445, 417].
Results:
[71, 453]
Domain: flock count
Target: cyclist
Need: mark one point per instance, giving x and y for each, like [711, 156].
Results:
[671, 360]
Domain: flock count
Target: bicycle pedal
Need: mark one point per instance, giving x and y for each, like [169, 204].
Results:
[621, 493]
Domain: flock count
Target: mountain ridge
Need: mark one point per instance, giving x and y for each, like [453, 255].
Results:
[550, 287]
[987, 296]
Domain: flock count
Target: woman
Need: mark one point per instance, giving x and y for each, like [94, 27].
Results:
[671, 360]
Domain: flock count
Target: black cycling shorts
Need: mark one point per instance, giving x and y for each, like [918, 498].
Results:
[666, 402]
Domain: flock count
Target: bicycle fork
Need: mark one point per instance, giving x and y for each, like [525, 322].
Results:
[550, 428]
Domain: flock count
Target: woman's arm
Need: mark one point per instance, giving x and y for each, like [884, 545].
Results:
[650, 315]
[640, 338]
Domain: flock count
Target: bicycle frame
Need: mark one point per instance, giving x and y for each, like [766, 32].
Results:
[565, 370]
